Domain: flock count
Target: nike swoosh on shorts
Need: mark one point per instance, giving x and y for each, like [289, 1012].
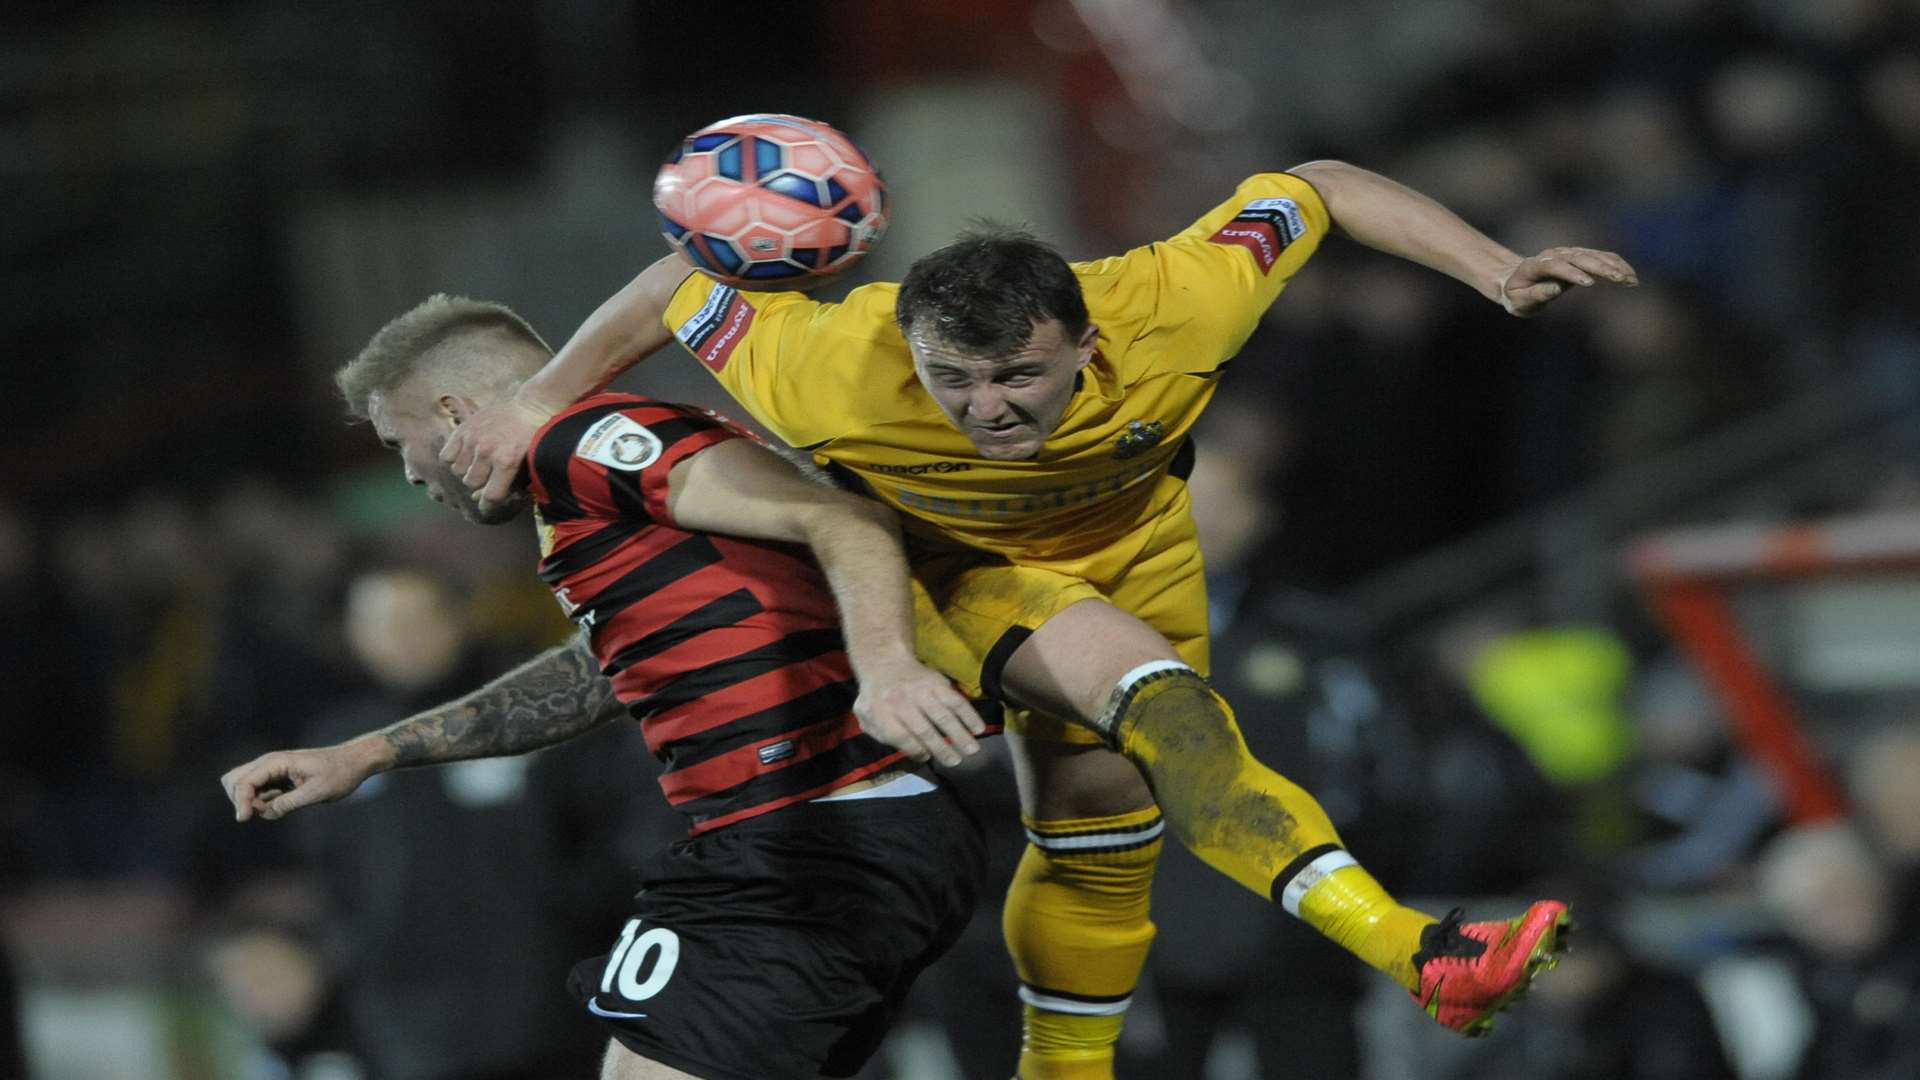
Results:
[593, 1007]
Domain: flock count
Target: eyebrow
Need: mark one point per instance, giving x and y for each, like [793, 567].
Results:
[994, 363]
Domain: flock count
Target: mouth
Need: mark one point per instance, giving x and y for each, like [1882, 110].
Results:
[999, 431]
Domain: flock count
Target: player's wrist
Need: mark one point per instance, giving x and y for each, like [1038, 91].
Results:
[1499, 294]
[882, 663]
[371, 754]
[1494, 271]
[534, 404]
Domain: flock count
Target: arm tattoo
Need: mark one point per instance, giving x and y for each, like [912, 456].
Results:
[549, 699]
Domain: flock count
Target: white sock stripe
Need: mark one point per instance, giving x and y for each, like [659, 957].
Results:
[1074, 1006]
[1131, 837]
[1123, 691]
[1310, 875]
[1151, 667]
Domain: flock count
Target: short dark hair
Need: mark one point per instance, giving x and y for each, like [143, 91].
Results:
[984, 292]
[404, 345]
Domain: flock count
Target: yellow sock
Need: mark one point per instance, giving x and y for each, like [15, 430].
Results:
[1076, 924]
[1336, 896]
[1249, 822]
[1062, 1046]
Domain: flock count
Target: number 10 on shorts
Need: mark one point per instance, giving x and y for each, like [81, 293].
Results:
[631, 954]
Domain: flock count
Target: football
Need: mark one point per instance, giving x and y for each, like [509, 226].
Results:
[770, 201]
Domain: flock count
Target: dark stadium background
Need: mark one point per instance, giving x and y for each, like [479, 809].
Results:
[1418, 508]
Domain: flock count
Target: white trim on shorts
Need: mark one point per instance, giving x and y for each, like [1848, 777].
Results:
[897, 788]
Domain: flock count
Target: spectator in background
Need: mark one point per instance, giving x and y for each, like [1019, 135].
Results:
[283, 559]
[1704, 806]
[1504, 819]
[132, 593]
[1657, 187]
[491, 876]
[1858, 953]
[1882, 774]
[1778, 139]
[277, 659]
[1668, 378]
[271, 975]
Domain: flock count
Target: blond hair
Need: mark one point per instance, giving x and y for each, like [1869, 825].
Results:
[418, 338]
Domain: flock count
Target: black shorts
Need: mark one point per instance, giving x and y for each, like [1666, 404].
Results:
[783, 946]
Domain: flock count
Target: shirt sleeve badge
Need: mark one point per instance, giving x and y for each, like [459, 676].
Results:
[1264, 227]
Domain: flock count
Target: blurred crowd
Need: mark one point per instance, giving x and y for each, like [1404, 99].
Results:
[385, 936]
[407, 932]
[1755, 159]
[1748, 157]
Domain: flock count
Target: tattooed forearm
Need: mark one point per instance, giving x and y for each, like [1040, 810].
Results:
[549, 699]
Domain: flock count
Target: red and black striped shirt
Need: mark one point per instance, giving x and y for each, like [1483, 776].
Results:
[727, 650]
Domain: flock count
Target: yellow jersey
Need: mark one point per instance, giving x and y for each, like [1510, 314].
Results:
[838, 380]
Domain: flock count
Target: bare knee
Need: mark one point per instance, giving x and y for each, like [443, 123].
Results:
[623, 1064]
[1068, 667]
[1075, 780]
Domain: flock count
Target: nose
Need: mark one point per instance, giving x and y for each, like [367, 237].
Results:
[414, 478]
[986, 403]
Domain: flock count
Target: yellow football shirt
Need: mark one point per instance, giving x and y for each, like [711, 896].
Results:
[838, 380]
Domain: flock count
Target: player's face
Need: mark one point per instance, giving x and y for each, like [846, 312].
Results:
[1006, 405]
[418, 430]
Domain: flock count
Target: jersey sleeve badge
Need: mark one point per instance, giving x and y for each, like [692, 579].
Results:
[1264, 227]
[714, 331]
[618, 441]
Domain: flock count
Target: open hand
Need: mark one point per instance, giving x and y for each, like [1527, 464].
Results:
[916, 710]
[1535, 282]
[487, 451]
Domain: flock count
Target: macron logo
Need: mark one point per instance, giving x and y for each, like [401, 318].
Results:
[1250, 238]
[719, 347]
[1264, 227]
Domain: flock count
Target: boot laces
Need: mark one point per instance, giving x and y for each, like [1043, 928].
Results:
[1445, 940]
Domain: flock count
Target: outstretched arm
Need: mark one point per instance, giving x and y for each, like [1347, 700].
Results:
[741, 488]
[551, 698]
[486, 452]
[1398, 220]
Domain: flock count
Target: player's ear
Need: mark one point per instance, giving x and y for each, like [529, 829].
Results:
[455, 408]
[1088, 339]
